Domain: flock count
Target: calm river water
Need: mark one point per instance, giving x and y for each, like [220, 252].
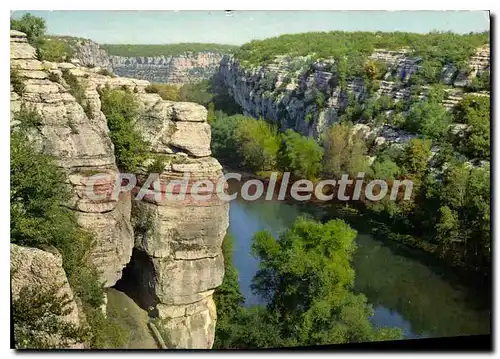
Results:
[424, 301]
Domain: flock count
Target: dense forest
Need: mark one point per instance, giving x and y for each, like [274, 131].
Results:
[165, 49]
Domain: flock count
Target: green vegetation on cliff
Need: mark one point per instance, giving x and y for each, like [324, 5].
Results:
[40, 217]
[48, 48]
[120, 109]
[166, 49]
[435, 48]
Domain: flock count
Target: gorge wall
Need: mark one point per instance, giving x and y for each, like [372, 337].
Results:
[286, 90]
[189, 67]
[172, 248]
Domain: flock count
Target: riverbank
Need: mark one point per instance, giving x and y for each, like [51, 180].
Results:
[356, 212]
[423, 299]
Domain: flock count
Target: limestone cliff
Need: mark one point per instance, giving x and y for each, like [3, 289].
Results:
[81, 146]
[187, 68]
[42, 270]
[286, 90]
[89, 53]
[175, 256]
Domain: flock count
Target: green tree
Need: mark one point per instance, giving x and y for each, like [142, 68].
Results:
[120, 109]
[300, 155]
[475, 112]
[211, 113]
[307, 279]
[259, 142]
[33, 26]
[224, 146]
[344, 152]
[386, 169]
[429, 118]
[448, 227]
[38, 314]
[228, 298]
[417, 155]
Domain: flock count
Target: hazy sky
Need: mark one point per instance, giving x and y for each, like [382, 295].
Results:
[157, 27]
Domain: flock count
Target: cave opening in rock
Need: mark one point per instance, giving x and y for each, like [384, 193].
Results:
[137, 281]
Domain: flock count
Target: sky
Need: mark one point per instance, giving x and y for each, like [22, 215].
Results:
[162, 27]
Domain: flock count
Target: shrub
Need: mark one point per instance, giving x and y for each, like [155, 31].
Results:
[38, 316]
[54, 77]
[120, 109]
[166, 92]
[33, 26]
[151, 89]
[159, 164]
[54, 49]
[28, 117]
[76, 89]
[16, 81]
[106, 72]
[309, 117]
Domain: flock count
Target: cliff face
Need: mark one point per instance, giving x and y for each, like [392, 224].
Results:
[82, 147]
[286, 91]
[41, 270]
[188, 68]
[89, 53]
[175, 256]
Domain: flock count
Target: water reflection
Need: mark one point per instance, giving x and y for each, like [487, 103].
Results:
[403, 291]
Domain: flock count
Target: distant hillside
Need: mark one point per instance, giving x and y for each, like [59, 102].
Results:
[166, 50]
[436, 48]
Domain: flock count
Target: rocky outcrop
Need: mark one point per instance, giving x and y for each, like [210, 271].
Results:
[41, 271]
[179, 240]
[80, 143]
[187, 68]
[305, 95]
[176, 262]
[90, 54]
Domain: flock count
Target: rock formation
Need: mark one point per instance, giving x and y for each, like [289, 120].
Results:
[81, 146]
[41, 270]
[177, 259]
[286, 91]
[187, 68]
[89, 53]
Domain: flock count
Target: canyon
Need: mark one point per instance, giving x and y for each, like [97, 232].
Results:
[285, 90]
[189, 67]
[166, 255]
[177, 260]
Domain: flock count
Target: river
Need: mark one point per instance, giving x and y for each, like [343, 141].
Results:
[423, 300]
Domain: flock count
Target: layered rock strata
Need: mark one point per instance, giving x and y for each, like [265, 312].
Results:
[187, 68]
[81, 146]
[42, 270]
[286, 91]
[176, 261]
